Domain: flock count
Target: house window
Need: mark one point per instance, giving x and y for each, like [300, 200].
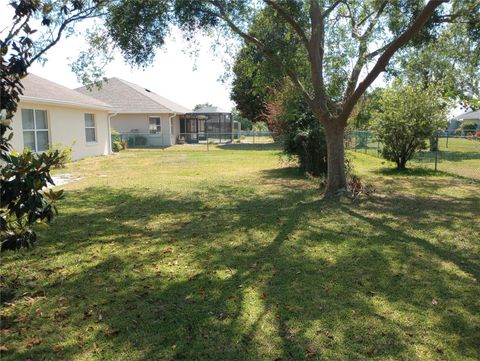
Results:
[35, 129]
[155, 126]
[90, 128]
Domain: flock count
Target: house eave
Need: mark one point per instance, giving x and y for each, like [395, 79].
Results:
[120, 111]
[65, 103]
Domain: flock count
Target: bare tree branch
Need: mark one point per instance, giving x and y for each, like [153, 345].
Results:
[82, 15]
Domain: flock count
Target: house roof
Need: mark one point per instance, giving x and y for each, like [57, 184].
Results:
[38, 89]
[132, 98]
[210, 110]
[470, 115]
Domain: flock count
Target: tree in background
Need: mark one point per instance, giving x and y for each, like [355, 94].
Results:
[24, 200]
[202, 105]
[408, 118]
[245, 124]
[451, 63]
[346, 44]
[361, 116]
[249, 88]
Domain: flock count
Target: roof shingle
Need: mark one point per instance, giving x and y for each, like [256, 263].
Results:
[40, 89]
[132, 98]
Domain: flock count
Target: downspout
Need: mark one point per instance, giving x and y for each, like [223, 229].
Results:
[110, 147]
[170, 127]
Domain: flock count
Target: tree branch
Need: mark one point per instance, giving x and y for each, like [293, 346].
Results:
[372, 24]
[261, 47]
[331, 8]
[316, 53]
[392, 48]
[82, 15]
[290, 20]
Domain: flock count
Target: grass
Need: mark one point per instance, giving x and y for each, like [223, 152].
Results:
[459, 156]
[183, 254]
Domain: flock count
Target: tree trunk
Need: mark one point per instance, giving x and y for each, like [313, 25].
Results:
[401, 164]
[336, 177]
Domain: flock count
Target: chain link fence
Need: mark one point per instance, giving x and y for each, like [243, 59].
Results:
[456, 154]
[147, 140]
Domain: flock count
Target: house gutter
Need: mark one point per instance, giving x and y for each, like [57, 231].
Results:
[170, 126]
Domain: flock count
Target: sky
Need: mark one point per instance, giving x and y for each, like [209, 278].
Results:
[174, 74]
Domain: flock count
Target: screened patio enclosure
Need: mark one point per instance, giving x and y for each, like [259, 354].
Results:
[210, 124]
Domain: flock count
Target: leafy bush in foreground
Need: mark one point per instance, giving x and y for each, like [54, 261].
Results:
[24, 198]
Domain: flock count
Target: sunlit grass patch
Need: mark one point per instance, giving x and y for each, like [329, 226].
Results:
[231, 255]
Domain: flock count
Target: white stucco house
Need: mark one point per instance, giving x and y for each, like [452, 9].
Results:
[145, 118]
[50, 114]
[139, 111]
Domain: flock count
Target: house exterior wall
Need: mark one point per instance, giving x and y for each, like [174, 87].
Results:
[66, 126]
[139, 123]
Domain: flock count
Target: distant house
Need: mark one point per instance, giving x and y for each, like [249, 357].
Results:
[214, 122]
[147, 116]
[50, 114]
[472, 117]
[148, 119]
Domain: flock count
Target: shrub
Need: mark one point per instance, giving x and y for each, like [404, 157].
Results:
[310, 147]
[458, 131]
[117, 146]
[64, 154]
[24, 198]
[301, 134]
[117, 143]
[409, 116]
[466, 126]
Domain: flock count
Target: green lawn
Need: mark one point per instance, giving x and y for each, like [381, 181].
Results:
[459, 156]
[184, 254]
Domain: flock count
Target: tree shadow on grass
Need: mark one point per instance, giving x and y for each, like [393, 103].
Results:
[283, 276]
[411, 172]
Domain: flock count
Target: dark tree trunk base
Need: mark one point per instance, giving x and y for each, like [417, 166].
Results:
[336, 177]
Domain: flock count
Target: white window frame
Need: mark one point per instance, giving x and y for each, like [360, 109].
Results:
[95, 141]
[35, 130]
[158, 126]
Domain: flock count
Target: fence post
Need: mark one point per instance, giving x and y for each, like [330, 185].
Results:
[208, 142]
[436, 152]
[253, 137]
[446, 145]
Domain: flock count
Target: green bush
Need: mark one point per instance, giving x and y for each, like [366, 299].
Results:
[302, 135]
[24, 198]
[117, 146]
[64, 154]
[466, 126]
[409, 117]
[308, 143]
